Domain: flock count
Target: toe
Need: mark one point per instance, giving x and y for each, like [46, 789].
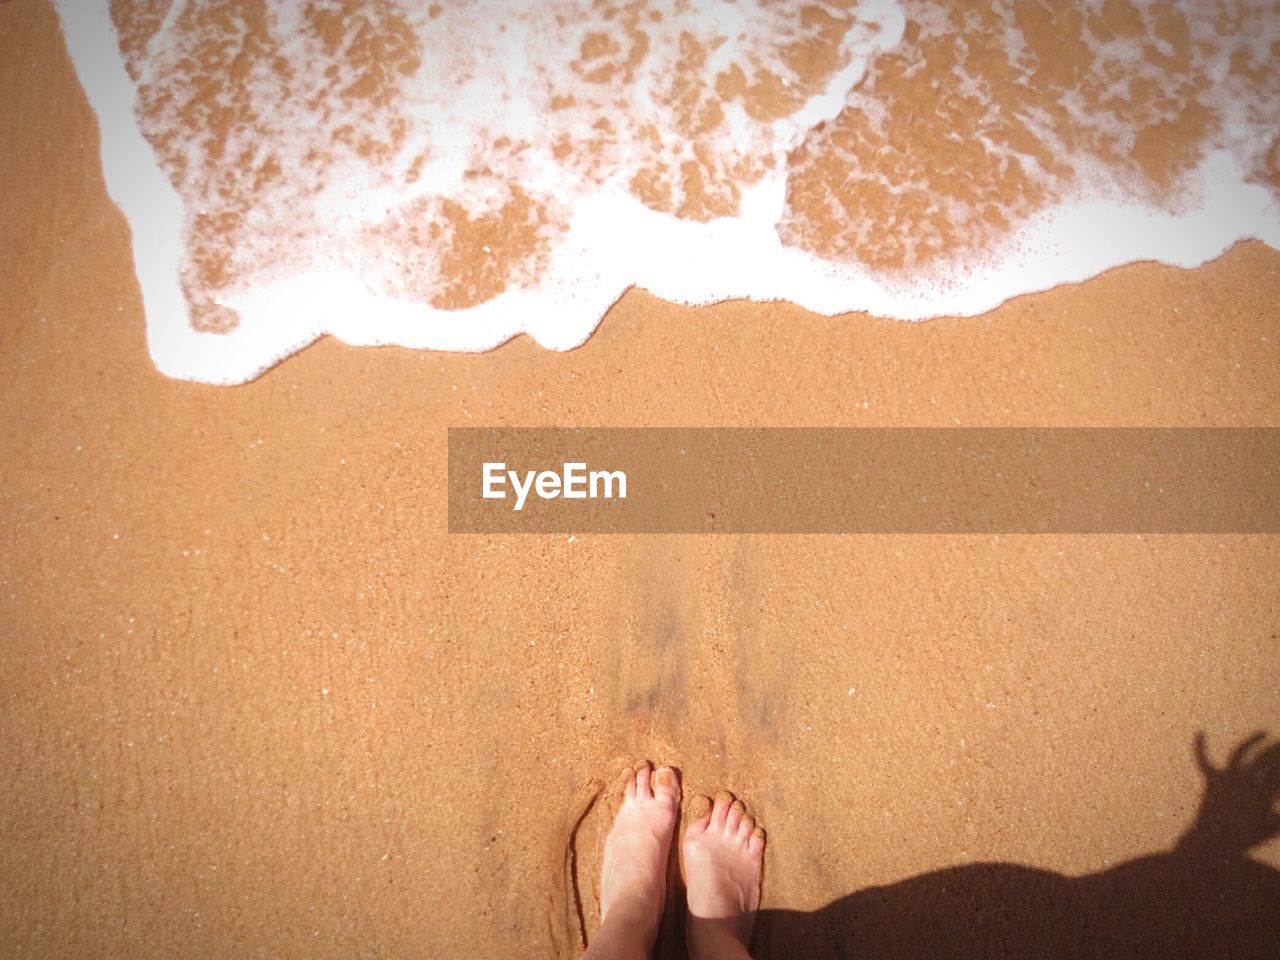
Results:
[734, 817]
[643, 789]
[666, 784]
[719, 812]
[745, 829]
[628, 779]
[756, 843]
[699, 816]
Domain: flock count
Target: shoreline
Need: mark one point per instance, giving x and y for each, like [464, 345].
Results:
[226, 300]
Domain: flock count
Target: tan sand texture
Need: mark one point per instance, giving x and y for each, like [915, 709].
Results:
[257, 702]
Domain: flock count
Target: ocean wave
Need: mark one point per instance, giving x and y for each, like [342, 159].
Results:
[451, 175]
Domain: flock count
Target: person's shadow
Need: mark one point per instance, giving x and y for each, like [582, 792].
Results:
[1204, 898]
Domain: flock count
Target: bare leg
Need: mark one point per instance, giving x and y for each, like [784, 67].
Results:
[723, 861]
[633, 882]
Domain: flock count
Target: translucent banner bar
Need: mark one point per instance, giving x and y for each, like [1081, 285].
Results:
[835, 480]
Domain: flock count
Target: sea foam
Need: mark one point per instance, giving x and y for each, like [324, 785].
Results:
[450, 176]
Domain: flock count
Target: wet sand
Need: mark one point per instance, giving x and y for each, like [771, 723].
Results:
[257, 702]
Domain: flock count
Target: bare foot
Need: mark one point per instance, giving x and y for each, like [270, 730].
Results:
[633, 883]
[723, 861]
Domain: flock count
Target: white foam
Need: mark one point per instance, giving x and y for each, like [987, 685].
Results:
[157, 219]
[332, 284]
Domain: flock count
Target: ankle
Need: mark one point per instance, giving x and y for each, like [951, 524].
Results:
[715, 939]
[637, 916]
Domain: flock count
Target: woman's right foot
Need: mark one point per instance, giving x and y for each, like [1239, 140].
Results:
[723, 862]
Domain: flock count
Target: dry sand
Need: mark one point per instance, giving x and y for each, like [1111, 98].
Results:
[258, 703]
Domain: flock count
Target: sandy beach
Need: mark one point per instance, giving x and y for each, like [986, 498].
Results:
[258, 702]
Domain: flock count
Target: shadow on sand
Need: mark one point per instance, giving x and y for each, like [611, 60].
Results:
[1205, 898]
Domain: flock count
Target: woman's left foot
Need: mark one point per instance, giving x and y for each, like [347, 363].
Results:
[634, 878]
